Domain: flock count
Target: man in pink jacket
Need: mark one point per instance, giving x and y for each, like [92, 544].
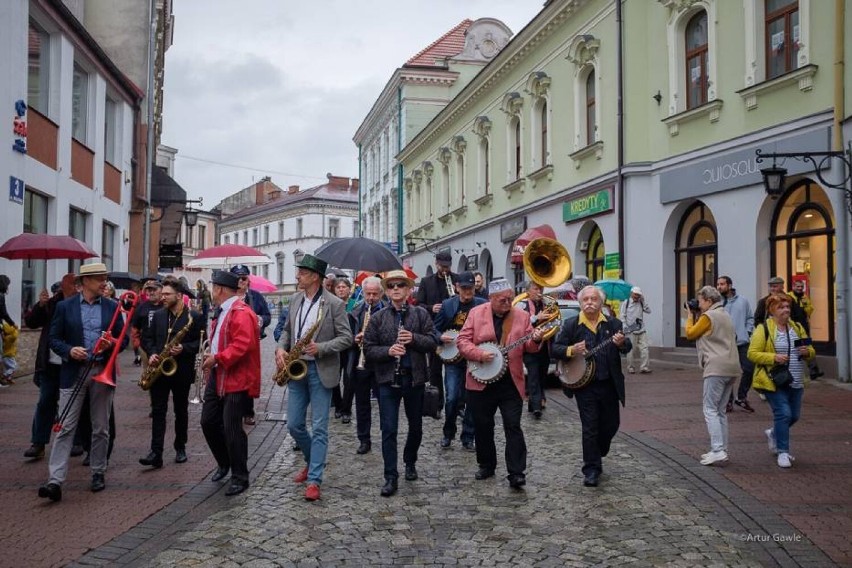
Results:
[498, 322]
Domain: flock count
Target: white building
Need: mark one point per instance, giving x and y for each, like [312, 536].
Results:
[76, 114]
[414, 95]
[294, 223]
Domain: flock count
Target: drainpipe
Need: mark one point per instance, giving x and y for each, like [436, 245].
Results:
[149, 155]
[843, 322]
[620, 114]
[360, 193]
[399, 243]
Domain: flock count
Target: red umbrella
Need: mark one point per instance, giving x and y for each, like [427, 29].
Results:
[261, 284]
[224, 256]
[40, 246]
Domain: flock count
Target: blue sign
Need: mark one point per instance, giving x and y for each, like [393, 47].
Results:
[16, 190]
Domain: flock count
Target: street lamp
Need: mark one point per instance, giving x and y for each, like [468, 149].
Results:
[774, 177]
[190, 215]
[411, 244]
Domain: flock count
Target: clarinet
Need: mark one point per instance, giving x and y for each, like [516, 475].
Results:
[397, 377]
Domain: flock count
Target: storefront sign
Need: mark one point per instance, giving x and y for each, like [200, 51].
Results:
[588, 205]
[738, 168]
[16, 190]
[19, 127]
[612, 261]
[511, 230]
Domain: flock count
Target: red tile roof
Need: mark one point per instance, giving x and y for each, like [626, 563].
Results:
[448, 45]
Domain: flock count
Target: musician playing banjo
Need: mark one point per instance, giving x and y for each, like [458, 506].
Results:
[451, 318]
[598, 401]
[498, 322]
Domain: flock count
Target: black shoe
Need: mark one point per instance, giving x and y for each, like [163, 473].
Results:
[591, 479]
[50, 491]
[180, 456]
[297, 448]
[445, 443]
[469, 446]
[221, 473]
[87, 461]
[236, 487]
[76, 451]
[137, 361]
[153, 459]
[337, 414]
[346, 419]
[410, 473]
[98, 482]
[36, 451]
[517, 480]
[537, 414]
[389, 488]
[363, 448]
[483, 473]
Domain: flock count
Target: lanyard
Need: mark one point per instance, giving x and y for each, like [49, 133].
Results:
[303, 314]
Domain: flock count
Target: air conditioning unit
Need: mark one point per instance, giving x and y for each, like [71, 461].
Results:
[584, 246]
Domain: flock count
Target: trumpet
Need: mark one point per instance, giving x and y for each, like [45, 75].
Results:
[448, 279]
[200, 379]
[361, 359]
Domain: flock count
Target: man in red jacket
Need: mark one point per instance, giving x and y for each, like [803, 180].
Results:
[234, 376]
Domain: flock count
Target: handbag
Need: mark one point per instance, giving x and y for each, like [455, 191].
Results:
[780, 374]
[432, 402]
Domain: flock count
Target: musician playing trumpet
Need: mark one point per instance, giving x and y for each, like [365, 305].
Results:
[165, 325]
[598, 401]
[396, 343]
[500, 323]
[362, 373]
[452, 316]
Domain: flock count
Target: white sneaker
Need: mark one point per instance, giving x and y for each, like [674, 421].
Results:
[770, 440]
[713, 457]
[785, 460]
[631, 370]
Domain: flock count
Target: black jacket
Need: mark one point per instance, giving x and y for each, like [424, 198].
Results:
[433, 290]
[39, 317]
[381, 334]
[572, 332]
[155, 336]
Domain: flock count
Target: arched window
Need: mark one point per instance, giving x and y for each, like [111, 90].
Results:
[595, 255]
[591, 121]
[696, 258]
[445, 187]
[543, 121]
[782, 36]
[696, 60]
[803, 235]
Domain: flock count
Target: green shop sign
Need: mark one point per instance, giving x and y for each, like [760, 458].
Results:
[588, 205]
[612, 261]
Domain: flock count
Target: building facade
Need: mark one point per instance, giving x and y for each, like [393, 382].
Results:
[292, 224]
[665, 188]
[69, 160]
[416, 92]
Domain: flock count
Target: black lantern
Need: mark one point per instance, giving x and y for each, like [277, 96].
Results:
[191, 218]
[411, 246]
[773, 180]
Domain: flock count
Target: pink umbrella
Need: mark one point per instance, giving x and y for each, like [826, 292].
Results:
[224, 256]
[261, 284]
[31, 246]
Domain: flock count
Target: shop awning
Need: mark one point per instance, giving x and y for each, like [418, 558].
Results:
[531, 234]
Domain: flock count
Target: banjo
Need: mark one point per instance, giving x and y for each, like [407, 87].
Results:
[578, 372]
[449, 352]
[489, 371]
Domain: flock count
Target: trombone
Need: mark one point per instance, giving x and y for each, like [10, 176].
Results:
[200, 379]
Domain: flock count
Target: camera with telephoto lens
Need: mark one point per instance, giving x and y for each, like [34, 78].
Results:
[692, 305]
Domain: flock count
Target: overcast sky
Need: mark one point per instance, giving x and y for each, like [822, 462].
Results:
[280, 86]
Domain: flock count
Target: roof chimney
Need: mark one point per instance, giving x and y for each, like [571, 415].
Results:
[292, 189]
[354, 185]
[337, 181]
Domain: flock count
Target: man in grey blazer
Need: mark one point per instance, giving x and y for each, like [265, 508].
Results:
[321, 355]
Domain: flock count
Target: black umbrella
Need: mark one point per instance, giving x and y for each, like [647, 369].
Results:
[359, 253]
[123, 280]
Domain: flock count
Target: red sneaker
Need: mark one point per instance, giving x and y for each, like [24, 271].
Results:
[301, 477]
[312, 493]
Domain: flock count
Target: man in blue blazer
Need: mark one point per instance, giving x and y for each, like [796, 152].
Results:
[77, 324]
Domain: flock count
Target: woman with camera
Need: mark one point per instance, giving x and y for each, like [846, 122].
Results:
[710, 326]
[780, 349]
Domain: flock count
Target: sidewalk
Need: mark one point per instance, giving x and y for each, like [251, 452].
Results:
[815, 495]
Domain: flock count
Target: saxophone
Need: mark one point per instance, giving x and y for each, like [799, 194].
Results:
[294, 368]
[167, 365]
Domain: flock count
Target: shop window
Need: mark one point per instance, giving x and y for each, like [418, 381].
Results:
[803, 236]
[595, 255]
[696, 259]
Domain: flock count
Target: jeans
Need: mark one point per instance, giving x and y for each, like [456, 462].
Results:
[748, 372]
[484, 404]
[786, 403]
[716, 393]
[536, 364]
[48, 400]
[389, 398]
[454, 377]
[314, 445]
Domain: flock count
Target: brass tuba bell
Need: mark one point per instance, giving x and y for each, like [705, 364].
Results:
[548, 264]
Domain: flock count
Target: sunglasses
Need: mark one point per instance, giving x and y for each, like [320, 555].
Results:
[395, 285]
